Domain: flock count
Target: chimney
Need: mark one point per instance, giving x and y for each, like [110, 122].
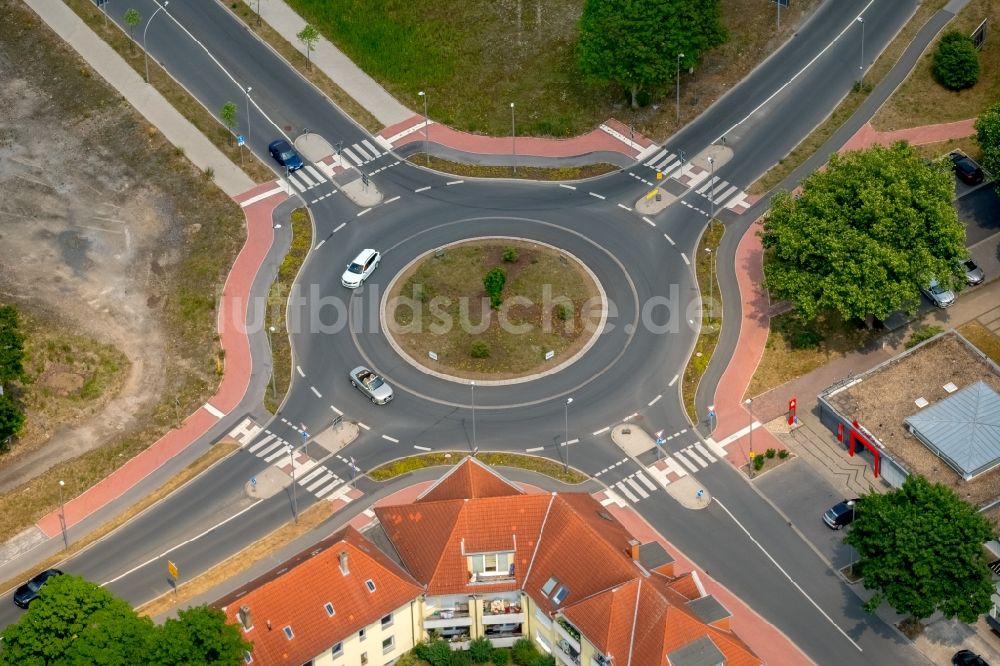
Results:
[244, 616]
[633, 549]
[343, 563]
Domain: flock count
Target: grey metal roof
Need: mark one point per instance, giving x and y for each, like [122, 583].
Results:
[708, 609]
[700, 652]
[964, 429]
[652, 555]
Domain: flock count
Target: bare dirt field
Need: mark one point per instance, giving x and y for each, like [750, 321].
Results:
[110, 240]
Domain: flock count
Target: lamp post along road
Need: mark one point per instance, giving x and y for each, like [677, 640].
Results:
[569, 401]
[749, 403]
[679, 56]
[270, 349]
[62, 513]
[291, 460]
[249, 88]
[144, 30]
[513, 137]
[711, 282]
[427, 136]
[862, 65]
[711, 201]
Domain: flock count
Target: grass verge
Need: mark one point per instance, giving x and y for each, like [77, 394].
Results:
[846, 108]
[711, 318]
[523, 172]
[409, 464]
[204, 120]
[986, 340]
[277, 301]
[215, 454]
[921, 100]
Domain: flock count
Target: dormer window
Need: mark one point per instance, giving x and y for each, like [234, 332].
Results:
[491, 564]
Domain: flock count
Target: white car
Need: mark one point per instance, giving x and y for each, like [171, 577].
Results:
[358, 270]
[938, 295]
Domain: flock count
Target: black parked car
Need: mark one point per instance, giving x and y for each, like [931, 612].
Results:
[285, 155]
[25, 594]
[966, 169]
[967, 658]
[840, 515]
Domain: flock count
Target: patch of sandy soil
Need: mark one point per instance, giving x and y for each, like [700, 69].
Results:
[81, 243]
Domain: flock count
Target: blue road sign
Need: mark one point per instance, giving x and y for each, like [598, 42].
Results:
[700, 493]
[305, 436]
[660, 441]
[240, 140]
[253, 480]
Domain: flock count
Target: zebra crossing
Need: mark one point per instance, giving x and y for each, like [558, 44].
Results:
[314, 477]
[630, 487]
[360, 153]
[712, 188]
[306, 178]
[674, 465]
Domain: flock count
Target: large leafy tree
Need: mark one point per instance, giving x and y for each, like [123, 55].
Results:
[200, 635]
[864, 235]
[988, 136]
[11, 345]
[921, 548]
[636, 43]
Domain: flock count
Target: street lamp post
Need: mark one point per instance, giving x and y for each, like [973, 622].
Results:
[62, 513]
[427, 135]
[513, 137]
[249, 88]
[270, 349]
[472, 386]
[711, 201]
[749, 403]
[159, 7]
[679, 56]
[291, 459]
[862, 65]
[569, 401]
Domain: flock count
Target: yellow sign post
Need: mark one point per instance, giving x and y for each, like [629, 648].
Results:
[172, 569]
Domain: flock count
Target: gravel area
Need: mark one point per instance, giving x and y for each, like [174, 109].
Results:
[886, 397]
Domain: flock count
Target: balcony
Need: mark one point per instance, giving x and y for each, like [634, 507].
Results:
[566, 654]
[502, 611]
[568, 633]
[492, 577]
[447, 616]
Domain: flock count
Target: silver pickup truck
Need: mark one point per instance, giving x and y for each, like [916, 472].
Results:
[371, 385]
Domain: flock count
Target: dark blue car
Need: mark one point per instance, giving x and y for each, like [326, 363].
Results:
[25, 594]
[285, 155]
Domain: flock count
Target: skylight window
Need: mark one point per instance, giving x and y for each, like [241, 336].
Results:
[549, 585]
[560, 594]
[329, 609]
[288, 633]
[370, 584]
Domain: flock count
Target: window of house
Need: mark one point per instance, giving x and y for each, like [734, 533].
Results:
[387, 621]
[329, 608]
[288, 633]
[560, 594]
[388, 645]
[337, 650]
[364, 658]
[491, 563]
[362, 634]
[549, 584]
[370, 584]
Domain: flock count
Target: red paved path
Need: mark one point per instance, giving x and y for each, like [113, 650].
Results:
[918, 136]
[232, 314]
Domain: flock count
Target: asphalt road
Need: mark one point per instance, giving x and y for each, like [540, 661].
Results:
[631, 368]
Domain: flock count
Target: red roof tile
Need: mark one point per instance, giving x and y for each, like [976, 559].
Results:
[294, 594]
[467, 480]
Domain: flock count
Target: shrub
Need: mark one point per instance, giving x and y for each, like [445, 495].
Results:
[460, 658]
[493, 283]
[524, 652]
[479, 349]
[956, 63]
[545, 660]
[758, 461]
[480, 649]
[770, 453]
[564, 311]
[783, 453]
[923, 333]
[509, 254]
[806, 338]
[500, 656]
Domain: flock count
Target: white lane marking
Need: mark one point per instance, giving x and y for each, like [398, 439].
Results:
[703, 451]
[711, 181]
[320, 244]
[601, 197]
[180, 545]
[317, 483]
[306, 179]
[370, 147]
[685, 257]
[422, 448]
[642, 477]
[213, 410]
[277, 454]
[299, 368]
[363, 425]
[454, 182]
[778, 566]
[391, 439]
[626, 492]
[631, 416]
[568, 187]
[315, 173]
[674, 467]
[389, 201]
[694, 456]
[364, 155]
[363, 212]
[339, 413]
[253, 449]
[725, 195]
[654, 400]
[657, 158]
[625, 207]
[318, 394]
[602, 431]
[340, 226]
[572, 441]
[354, 158]
[649, 222]
[308, 478]
[323, 491]
[674, 380]
[537, 448]
[642, 493]
[685, 461]
[669, 239]
[422, 189]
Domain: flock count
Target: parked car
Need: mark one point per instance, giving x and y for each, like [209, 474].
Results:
[938, 295]
[371, 385]
[28, 592]
[840, 515]
[358, 270]
[973, 273]
[966, 168]
[967, 658]
[285, 155]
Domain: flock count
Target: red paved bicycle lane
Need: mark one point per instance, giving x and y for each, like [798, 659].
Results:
[235, 380]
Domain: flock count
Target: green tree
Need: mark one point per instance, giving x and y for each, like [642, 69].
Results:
[132, 18]
[199, 635]
[494, 282]
[636, 43]
[988, 136]
[480, 649]
[228, 115]
[11, 420]
[921, 548]
[308, 36]
[11, 345]
[956, 63]
[864, 235]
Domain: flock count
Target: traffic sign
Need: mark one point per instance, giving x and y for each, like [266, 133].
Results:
[253, 481]
[172, 569]
[240, 140]
[364, 178]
